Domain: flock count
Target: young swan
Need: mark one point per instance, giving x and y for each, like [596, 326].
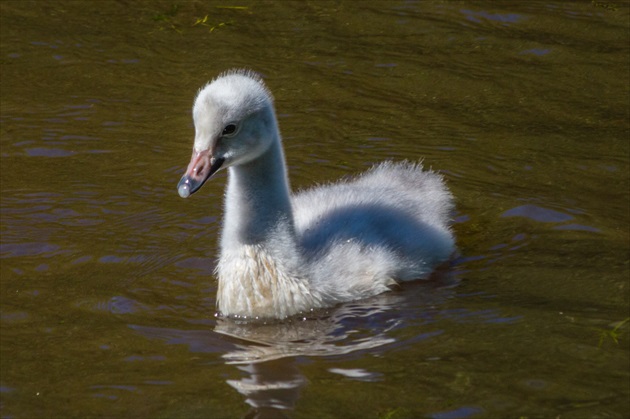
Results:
[283, 253]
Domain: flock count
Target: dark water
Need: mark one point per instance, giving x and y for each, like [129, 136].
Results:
[107, 291]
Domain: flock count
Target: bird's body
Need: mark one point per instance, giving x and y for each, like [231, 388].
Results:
[283, 254]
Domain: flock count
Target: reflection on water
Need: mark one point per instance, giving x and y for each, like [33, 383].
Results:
[313, 336]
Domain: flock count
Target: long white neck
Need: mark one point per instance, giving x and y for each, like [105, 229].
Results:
[260, 268]
[257, 201]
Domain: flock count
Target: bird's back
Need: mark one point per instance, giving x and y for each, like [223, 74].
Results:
[390, 223]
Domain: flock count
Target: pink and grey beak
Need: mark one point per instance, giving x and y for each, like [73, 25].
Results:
[201, 168]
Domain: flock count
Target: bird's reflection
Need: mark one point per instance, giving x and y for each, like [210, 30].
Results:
[319, 334]
[269, 387]
[268, 354]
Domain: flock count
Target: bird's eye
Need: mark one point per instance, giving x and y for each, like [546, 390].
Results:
[229, 130]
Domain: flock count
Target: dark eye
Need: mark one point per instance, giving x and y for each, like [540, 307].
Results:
[229, 129]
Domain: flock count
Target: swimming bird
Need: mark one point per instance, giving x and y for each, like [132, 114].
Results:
[284, 253]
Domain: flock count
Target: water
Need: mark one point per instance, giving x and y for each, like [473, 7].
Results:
[108, 297]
